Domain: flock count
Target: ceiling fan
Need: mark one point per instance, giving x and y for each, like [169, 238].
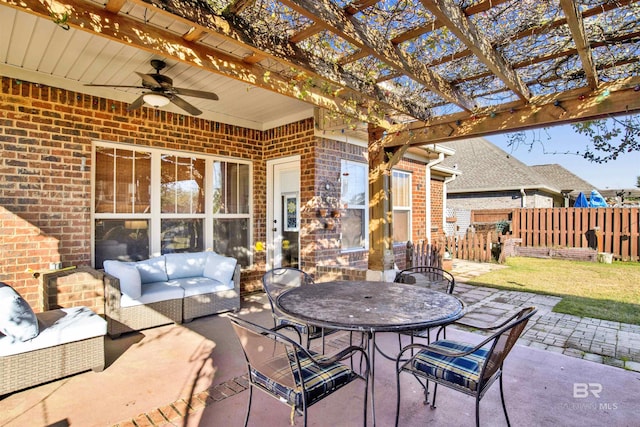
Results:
[161, 91]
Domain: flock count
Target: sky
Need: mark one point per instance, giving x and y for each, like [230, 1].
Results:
[550, 146]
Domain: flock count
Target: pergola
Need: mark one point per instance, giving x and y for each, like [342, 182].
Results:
[416, 72]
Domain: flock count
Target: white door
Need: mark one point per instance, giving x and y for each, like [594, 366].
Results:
[283, 212]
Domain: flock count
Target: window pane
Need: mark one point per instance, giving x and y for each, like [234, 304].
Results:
[400, 187]
[122, 181]
[400, 226]
[182, 185]
[354, 183]
[353, 228]
[231, 238]
[104, 195]
[181, 235]
[124, 240]
[230, 188]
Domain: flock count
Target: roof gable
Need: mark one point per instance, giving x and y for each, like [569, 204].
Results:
[486, 167]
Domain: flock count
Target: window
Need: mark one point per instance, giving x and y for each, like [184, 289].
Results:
[401, 198]
[121, 204]
[353, 197]
[231, 219]
[149, 202]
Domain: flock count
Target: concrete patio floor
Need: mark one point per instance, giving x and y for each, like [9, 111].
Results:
[193, 375]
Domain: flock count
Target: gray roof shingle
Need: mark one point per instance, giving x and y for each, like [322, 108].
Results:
[486, 167]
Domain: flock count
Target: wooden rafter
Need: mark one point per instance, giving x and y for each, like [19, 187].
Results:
[576, 25]
[238, 31]
[531, 31]
[305, 33]
[359, 5]
[335, 20]
[450, 14]
[579, 104]
[237, 6]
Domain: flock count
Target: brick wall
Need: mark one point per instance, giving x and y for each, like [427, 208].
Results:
[45, 138]
[45, 179]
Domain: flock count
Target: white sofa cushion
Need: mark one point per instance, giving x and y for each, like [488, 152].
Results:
[58, 327]
[201, 285]
[154, 292]
[129, 276]
[220, 268]
[185, 264]
[17, 319]
[152, 270]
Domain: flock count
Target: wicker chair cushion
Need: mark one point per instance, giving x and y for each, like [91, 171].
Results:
[463, 371]
[220, 268]
[182, 265]
[154, 292]
[58, 327]
[318, 380]
[130, 282]
[200, 285]
[17, 320]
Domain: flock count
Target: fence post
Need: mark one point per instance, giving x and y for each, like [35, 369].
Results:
[598, 234]
[408, 257]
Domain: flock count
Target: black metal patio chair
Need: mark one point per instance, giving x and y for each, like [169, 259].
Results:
[277, 281]
[468, 368]
[282, 368]
[433, 278]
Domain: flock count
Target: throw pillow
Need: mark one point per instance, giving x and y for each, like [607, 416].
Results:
[220, 268]
[130, 283]
[152, 270]
[17, 319]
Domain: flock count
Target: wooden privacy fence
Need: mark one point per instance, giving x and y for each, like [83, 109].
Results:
[611, 230]
[423, 254]
[472, 246]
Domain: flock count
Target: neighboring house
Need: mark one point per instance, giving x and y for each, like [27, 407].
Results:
[491, 178]
[570, 185]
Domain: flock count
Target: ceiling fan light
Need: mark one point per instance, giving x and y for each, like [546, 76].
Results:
[155, 99]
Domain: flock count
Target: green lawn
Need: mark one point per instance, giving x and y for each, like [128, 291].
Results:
[588, 289]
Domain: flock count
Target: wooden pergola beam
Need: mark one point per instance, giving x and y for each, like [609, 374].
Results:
[610, 99]
[337, 21]
[576, 26]
[233, 28]
[450, 14]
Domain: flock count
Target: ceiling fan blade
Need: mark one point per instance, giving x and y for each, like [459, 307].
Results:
[195, 93]
[136, 104]
[133, 87]
[149, 80]
[185, 105]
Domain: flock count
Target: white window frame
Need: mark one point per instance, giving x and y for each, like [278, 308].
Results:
[402, 208]
[345, 165]
[154, 216]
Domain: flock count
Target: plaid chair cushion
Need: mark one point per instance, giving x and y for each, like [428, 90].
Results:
[463, 371]
[318, 380]
[304, 329]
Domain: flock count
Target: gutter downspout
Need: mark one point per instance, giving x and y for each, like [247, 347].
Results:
[444, 199]
[523, 204]
[427, 189]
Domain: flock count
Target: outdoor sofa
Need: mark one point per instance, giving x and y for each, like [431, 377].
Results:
[171, 288]
[42, 347]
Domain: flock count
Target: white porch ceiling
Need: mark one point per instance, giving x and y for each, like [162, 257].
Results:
[37, 50]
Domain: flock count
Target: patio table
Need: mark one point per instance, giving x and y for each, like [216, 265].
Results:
[370, 307]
